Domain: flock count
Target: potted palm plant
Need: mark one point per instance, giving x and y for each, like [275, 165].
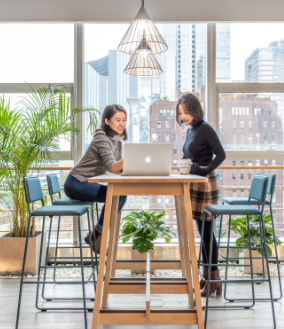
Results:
[27, 137]
[143, 228]
[240, 227]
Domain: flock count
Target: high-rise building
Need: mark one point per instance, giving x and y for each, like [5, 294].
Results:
[223, 52]
[106, 83]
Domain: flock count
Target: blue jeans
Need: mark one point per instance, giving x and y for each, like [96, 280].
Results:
[90, 192]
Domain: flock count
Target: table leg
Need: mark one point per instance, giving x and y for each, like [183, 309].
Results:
[116, 238]
[100, 278]
[193, 256]
[184, 241]
[113, 225]
[181, 249]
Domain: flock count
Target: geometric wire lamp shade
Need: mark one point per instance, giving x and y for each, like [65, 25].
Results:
[143, 62]
[142, 24]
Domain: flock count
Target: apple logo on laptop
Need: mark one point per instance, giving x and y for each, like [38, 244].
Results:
[148, 159]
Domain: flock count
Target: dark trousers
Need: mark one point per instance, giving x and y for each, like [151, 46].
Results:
[206, 244]
[89, 192]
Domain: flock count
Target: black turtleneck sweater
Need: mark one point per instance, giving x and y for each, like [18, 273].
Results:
[200, 145]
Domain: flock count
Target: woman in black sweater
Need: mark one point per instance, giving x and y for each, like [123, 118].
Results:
[200, 145]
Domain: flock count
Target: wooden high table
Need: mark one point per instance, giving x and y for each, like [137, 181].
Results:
[177, 185]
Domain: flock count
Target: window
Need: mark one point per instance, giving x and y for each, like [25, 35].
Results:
[242, 163]
[233, 110]
[234, 192]
[161, 112]
[35, 65]
[250, 140]
[159, 124]
[168, 112]
[264, 124]
[242, 174]
[174, 137]
[175, 162]
[167, 201]
[247, 110]
[175, 150]
[242, 140]
[234, 174]
[234, 140]
[250, 124]
[234, 124]
[266, 162]
[242, 192]
[159, 137]
[249, 174]
[273, 124]
[165, 112]
[182, 137]
[167, 137]
[234, 163]
[257, 140]
[167, 124]
[159, 201]
[242, 124]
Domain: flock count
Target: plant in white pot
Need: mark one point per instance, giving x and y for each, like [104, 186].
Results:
[144, 228]
[240, 227]
[27, 137]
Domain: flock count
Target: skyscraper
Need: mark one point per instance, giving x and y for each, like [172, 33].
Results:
[106, 83]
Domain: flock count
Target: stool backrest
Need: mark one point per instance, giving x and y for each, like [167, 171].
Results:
[258, 189]
[271, 183]
[53, 185]
[33, 190]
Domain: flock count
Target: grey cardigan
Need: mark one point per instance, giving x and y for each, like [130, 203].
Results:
[102, 152]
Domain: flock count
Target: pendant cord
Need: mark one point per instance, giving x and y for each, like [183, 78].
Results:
[143, 3]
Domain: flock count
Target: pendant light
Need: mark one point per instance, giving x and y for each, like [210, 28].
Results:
[143, 62]
[141, 26]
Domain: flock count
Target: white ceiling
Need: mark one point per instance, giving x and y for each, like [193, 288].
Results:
[125, 10]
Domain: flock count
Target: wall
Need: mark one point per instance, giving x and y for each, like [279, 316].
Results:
[125, 10]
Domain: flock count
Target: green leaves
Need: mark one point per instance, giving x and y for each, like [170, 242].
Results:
[143, 228]
[27, 137]
[240, 227]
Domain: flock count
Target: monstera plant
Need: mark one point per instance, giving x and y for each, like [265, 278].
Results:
[143, 228]
[28, 134]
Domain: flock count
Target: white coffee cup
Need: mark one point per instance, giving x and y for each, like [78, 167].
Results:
[184, 166]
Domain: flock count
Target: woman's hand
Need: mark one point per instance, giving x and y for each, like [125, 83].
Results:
[196, 170]
[116, 167]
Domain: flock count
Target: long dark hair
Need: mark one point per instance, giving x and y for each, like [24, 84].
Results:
[108, 113]
[193, 107]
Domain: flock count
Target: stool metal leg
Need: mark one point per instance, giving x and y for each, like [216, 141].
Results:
[91, 250]
[268, 272]
[93, 225]
[227, 257]
[46, 257]
[82, 273]
[56, 248]
[276, 253]
[22, 275]
[251, 266]
[39, 265]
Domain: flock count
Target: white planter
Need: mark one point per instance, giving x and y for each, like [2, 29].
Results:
[12, 253]
[256, 263]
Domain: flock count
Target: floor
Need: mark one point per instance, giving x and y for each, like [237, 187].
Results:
[257, 317]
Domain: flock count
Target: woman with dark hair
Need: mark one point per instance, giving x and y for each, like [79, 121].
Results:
[103, 154]
[200, 145]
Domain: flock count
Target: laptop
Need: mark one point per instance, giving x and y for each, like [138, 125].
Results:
[147, 159]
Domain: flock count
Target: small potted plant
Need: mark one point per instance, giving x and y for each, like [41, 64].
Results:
[143, 228]
[240, 227]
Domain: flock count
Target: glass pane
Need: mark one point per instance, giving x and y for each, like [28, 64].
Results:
[105, 83]
[251, 121]
[249, 52]
[15, 103]
[37, 53]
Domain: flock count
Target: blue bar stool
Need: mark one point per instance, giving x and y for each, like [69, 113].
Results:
[34, 193]
[244, 201]
[257, 192]
[54, 188]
